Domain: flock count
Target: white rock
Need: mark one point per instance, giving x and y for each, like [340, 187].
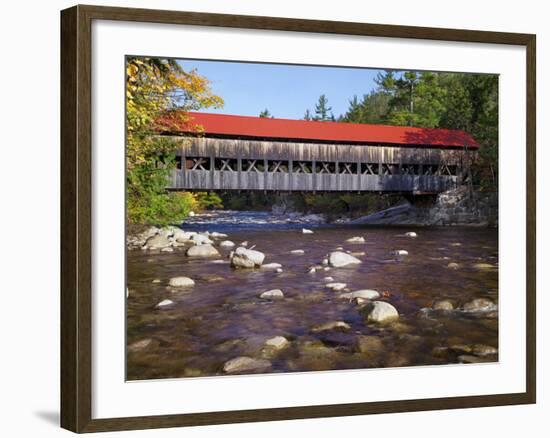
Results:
[336, 286]
[167, 249]
[157, 242]
[164, 303]
[181, 282]
[328, 279]
[278, 270]
[201, 239]
[356, 239]
[272, 266]
[191, 213]
[182, 236]
[334, 325]
[227, 243]
[480, 305]
[411, 234]
[339, 259]
[306, 231]
[205, 250]
[217, 235]
[312, 271]
[246, 258]
[380, 312]
[297, 251]
[401, 252]
[156, 280]
[366, 294]
[324, 262]
[277, 342]
[274, 294]
[245, 243]
[243, 364]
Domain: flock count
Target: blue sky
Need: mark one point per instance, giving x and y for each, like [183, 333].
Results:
[285, 90]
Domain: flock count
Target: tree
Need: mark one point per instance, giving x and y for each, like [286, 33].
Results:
[372, 108]
[265, 114]
[158, 95]
[307, 115]
[322, 110]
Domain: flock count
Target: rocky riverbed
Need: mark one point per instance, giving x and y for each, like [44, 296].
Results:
[241, 293]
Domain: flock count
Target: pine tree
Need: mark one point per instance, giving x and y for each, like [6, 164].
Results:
[323, 110]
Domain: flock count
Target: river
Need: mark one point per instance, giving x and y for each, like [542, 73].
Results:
[222, 316]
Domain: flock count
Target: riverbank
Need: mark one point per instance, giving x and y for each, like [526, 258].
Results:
[456, 207]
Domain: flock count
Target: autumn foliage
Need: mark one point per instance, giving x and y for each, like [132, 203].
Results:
[159, 93]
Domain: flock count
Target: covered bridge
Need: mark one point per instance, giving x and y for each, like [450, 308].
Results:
[251, 153]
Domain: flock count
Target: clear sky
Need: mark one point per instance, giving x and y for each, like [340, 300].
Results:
[285, 90]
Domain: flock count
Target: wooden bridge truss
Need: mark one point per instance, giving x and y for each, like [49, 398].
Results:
[238, 164]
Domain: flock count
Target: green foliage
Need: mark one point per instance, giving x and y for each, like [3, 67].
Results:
[265, 114]
[323, 112]
[207, 200]
[158, 87]
[147, 200]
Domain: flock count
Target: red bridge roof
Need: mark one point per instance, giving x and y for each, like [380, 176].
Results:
[333, 132]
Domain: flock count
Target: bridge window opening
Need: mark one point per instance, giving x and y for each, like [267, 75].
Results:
[410, 169]
[429, 170]
[253, 166]
[369, 168]
[225, 164]
[178, 162]
[277, 166]
[347, 168]
[325, 167]
[446, 170]
[390, 169]
[302, 167]
[197, 163]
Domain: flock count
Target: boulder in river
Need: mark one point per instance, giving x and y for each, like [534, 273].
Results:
[380, 312]
[411, 234]
[453, 265]
[217, 235]
[365, 294]
[306, 231]
[333, 325]
[244, 364]
[356, 239]
[246, 258]
[164, 304]
[272, 266]
[206, 250]
[227, 244]
[181, 282]
[158, 241]
[480, 305]
[297, 251]
[443, 305]
[336, 286]
[277, 343]
[339, 259]
[273, 294]
[201, 239]
[401, 252]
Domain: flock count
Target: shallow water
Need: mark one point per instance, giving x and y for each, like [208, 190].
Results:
[222, 317]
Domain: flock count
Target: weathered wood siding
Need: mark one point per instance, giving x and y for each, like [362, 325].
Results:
[227, 164]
